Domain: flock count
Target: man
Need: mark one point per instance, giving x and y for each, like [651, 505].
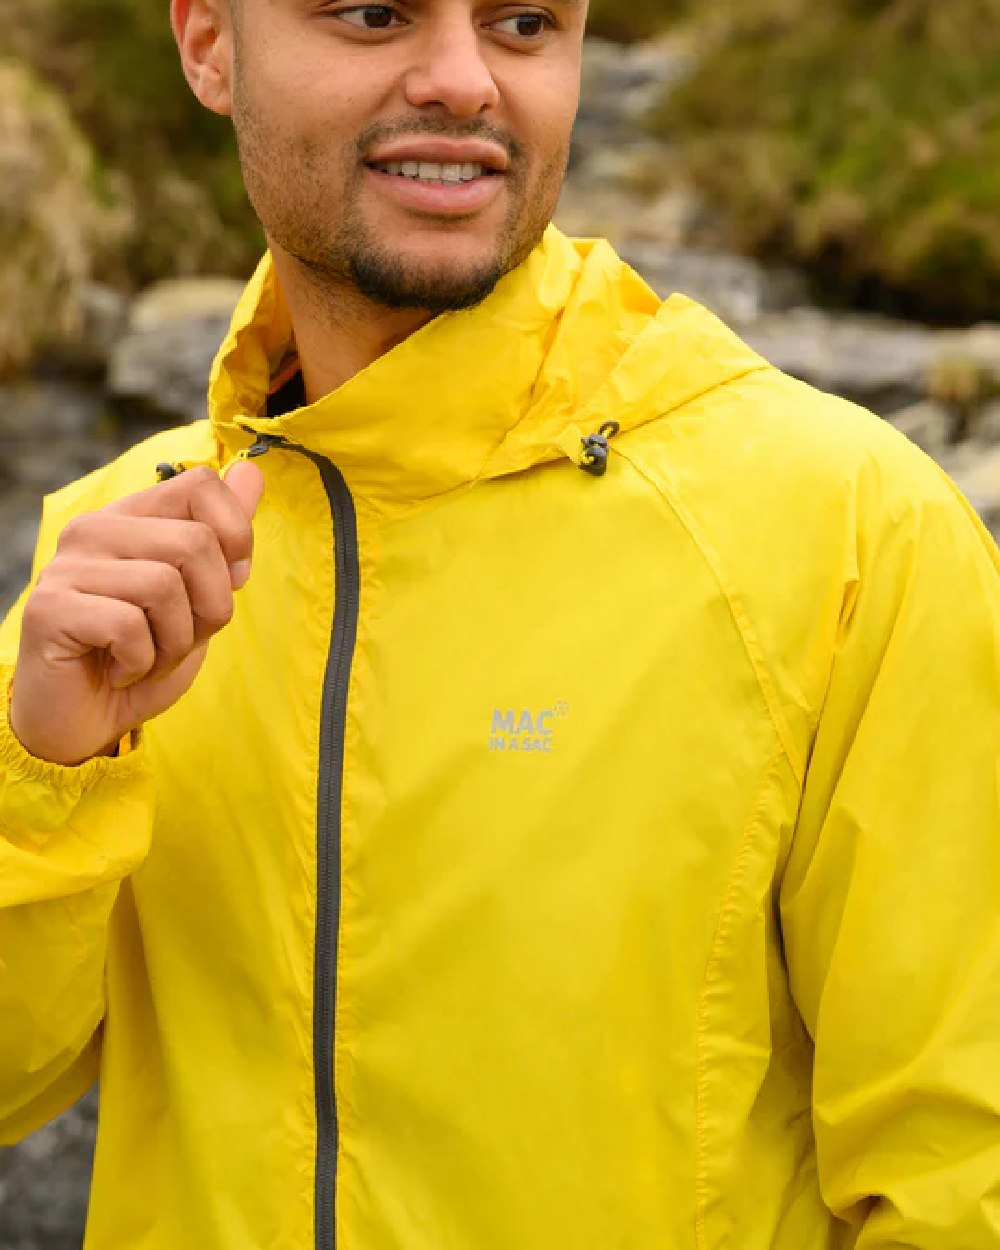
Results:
[586, 831]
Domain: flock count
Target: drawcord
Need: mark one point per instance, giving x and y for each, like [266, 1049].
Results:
[596, 449]
[592, 460]
[262, 444]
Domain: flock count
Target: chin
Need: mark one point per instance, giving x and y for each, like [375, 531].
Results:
[436, 283]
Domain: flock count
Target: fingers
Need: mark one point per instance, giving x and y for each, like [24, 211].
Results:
[189, 547]
[246, 482]
[159, 590]
[201, 496]
[121, 629]
[148, 579]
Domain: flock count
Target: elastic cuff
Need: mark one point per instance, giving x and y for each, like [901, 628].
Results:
[19, 762]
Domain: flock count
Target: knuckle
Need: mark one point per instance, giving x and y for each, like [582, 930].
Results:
[173, 650]
[165, 584]
[130, 623]
[218, 616]
[48, 579]
[39, 609]
[237, 541]
[76, 532]
[201, 539]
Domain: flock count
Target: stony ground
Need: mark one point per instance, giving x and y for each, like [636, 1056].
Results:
[942, 389]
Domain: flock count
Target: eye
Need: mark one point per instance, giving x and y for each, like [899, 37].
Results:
[525, 26]
[370, 16]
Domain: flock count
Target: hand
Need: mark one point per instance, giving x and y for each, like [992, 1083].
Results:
[118, 624]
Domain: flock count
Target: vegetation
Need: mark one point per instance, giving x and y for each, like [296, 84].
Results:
[52, 218]
[169, 165]
[632, 20]
[860, 138]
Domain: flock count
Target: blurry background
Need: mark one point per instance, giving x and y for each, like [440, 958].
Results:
[826, 177]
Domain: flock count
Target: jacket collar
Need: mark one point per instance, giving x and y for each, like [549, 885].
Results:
[571, 339]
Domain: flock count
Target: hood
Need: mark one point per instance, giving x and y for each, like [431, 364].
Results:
[569, 341]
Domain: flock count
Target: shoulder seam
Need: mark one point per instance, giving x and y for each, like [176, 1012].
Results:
[740, 617]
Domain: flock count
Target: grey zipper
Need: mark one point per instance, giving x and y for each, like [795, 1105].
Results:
[347, 596]
[347, 593]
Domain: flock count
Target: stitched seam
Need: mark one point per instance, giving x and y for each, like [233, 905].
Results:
[741, 619]
[722, 930]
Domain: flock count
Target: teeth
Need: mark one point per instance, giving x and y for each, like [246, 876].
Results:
[428, 171]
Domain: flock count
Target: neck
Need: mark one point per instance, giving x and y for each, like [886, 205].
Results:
[338, 332]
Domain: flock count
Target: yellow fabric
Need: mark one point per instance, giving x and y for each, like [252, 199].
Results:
[711, 961]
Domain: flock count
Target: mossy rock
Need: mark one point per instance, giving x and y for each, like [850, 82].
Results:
[52, 219]
[860, 138]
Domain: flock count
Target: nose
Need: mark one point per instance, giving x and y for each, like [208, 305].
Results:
[449, 71]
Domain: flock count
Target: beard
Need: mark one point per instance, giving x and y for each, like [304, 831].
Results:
[292, 200]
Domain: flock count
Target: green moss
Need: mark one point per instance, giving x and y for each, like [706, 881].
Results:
[631, 20]
[861, 139]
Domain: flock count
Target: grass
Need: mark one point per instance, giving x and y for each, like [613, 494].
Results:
[860, 138]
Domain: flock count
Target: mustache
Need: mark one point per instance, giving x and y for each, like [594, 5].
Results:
[374, 136]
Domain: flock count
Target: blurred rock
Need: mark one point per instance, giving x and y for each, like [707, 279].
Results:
[981, 344]
[875, 361]
[738, 290]
[620, 86]
[988, 427]
[162, 364]
[928, 424]
[51, 433]
[104, 317]
[623, 185]
[49, 1217]
[975, 470]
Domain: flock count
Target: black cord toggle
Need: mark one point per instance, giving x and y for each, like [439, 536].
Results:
[596, 449]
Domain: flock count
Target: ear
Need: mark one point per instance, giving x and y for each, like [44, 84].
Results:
[203, 30]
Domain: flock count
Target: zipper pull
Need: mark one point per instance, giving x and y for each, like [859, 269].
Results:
[596, 449]
[261, 445]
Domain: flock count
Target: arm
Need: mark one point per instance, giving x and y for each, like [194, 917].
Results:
[890, 901]
[68, 836]
[112, 632]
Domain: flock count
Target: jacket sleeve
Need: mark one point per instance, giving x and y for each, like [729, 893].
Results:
[68, 837]
[890, 901]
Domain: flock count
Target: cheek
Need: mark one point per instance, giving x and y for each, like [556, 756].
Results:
[293, 89]
[544, 116]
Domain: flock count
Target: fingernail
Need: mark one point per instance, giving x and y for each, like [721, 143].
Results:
[240, 573]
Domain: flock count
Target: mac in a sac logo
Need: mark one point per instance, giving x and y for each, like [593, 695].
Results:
[525, 730]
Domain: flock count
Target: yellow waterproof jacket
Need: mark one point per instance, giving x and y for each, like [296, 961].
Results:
[543, 860]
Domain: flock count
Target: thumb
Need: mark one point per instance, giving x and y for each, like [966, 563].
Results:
[246, 482]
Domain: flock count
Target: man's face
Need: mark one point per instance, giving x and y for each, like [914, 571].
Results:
[415, 149]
